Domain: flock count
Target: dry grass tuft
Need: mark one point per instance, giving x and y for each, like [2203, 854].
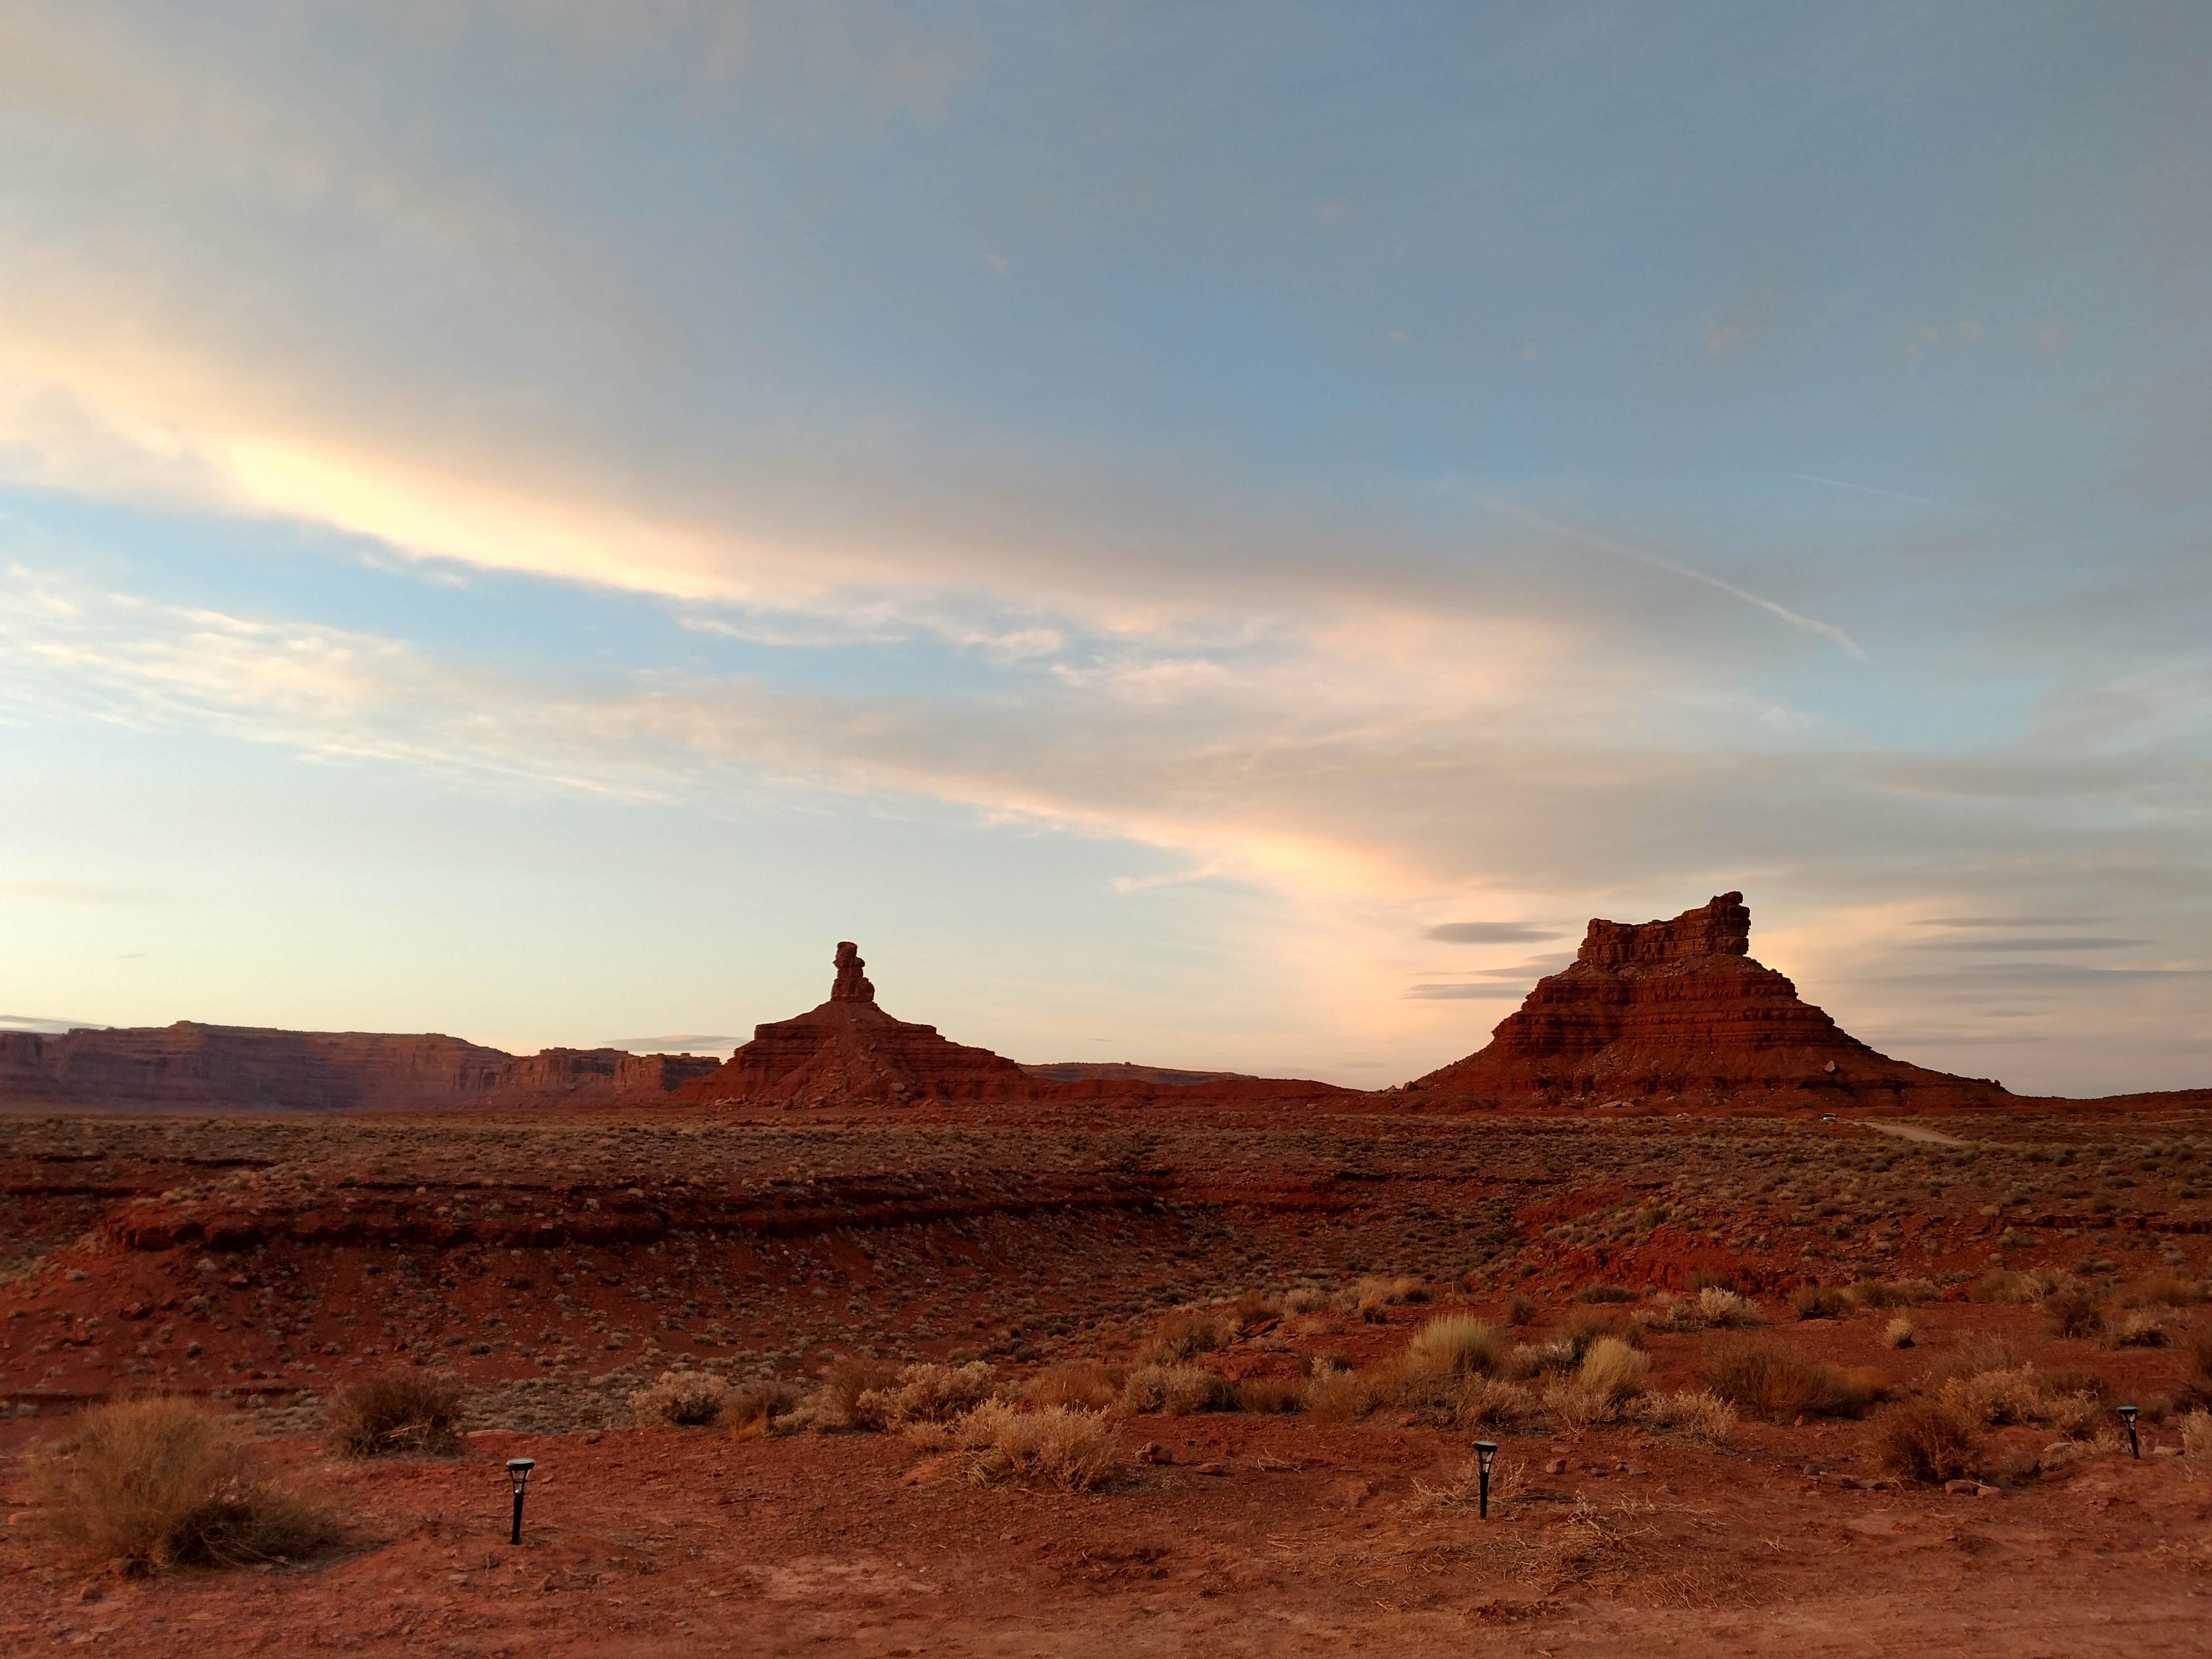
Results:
[2139, 1329]
[162, 1483]
[1724, 1309]
[1606, 1293]
[1490, 1402]
[1052, 1449]
[2166, 1290]
[1520, 1311]
[1902, 1332]
[395, 1413]
[1971, 1358]
[1336, 1396]
[2006, 1289]
[1456, 1344]
[1270, 1396]
[680, 1399]
[1922, 1440]
[1892, 1292]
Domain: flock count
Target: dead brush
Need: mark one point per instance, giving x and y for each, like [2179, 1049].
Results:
[1254, 1308]
[926, 1393]
[1509, 1479]
[1184, 1335]
[1343, 1396]
[1490, 1403]
[162, 1483]
[395, 1413]
[747, 1408]
[1603, 1548]
[2006, 1288]
[1176, 1391]
[1891, 1292]
[1520, 1311]
[1971, 1359]
[1052, 1449]
[1902, 1332]
[1270, 1396]
[1923, 1440]
[2164, 1290]
[1373, 1294]
[1818, 1301]
[1694, 1413]
[2139, 1329]
[2075, 1311]
[1085, 1385]
[680, 1399]
[1763, 1380]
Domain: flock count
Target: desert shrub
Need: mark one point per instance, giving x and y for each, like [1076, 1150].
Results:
[1254, 1308]
[1709, 1279]
[1052, 1448]
[2168, 1290]
[1768, 1381]
[1342, 1396]
[1902, 1332]
[162, 1483]
[2139, 1329]
[1549, 1358]
[1270, 1396]
[1922, 1440]
[683, 1399]
[2008, 1289]
[1087, 1386]
[395, 1411]
[2095, 1384]
[1589, 1325]
[747, 1408]
[1698, 1413]
[2196, 1434]
[1606, 1293]
[1455, 1345]
[1979, 1354]
[1176, 1391]
[1891, 1292]
[1374, 1292]
[1183, 1335]
[2075, 1310]
[1818, 1301]
[1486, 1402]
[1520, 1311]
[926, 1393]
[1996, 1397]
[833, 1405]
[1305, 1299]
[1721, 1308]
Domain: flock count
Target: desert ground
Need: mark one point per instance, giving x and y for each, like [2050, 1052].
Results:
[1233, 1300]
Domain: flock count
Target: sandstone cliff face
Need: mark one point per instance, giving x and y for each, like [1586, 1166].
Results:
[187, 1065]
[1679, 1009]
[849, 1050]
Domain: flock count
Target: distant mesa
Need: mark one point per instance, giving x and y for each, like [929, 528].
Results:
[847, 1050]
[190, 1066]
[1123, 1071]
[1679, 1011]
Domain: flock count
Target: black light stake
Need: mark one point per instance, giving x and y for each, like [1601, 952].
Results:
[1484, 1451]
[2127, 1417]
[518, 1471]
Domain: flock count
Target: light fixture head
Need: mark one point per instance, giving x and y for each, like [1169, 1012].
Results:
[1485, 1449]
[518, 1470]
[2128, 1413]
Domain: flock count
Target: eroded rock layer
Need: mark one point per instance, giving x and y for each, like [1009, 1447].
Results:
[1679, 1009]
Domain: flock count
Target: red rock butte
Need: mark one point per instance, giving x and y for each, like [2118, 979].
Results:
[848, 1050]
[1679, 1011]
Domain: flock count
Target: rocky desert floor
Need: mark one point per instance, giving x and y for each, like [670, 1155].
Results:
[2048, 1267]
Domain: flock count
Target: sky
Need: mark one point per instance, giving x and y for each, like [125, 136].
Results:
[1212, 535]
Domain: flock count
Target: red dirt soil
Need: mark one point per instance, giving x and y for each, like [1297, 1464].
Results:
[554, 1262]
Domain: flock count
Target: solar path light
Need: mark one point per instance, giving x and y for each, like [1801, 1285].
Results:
[2127, 1417]
[1484, 1451]
[518, 1471]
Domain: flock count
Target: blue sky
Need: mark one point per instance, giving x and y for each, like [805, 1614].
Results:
[535, 520]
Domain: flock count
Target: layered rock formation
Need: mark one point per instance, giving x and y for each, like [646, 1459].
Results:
[1679, 1010]
[850, 1051]
[188, 1066]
